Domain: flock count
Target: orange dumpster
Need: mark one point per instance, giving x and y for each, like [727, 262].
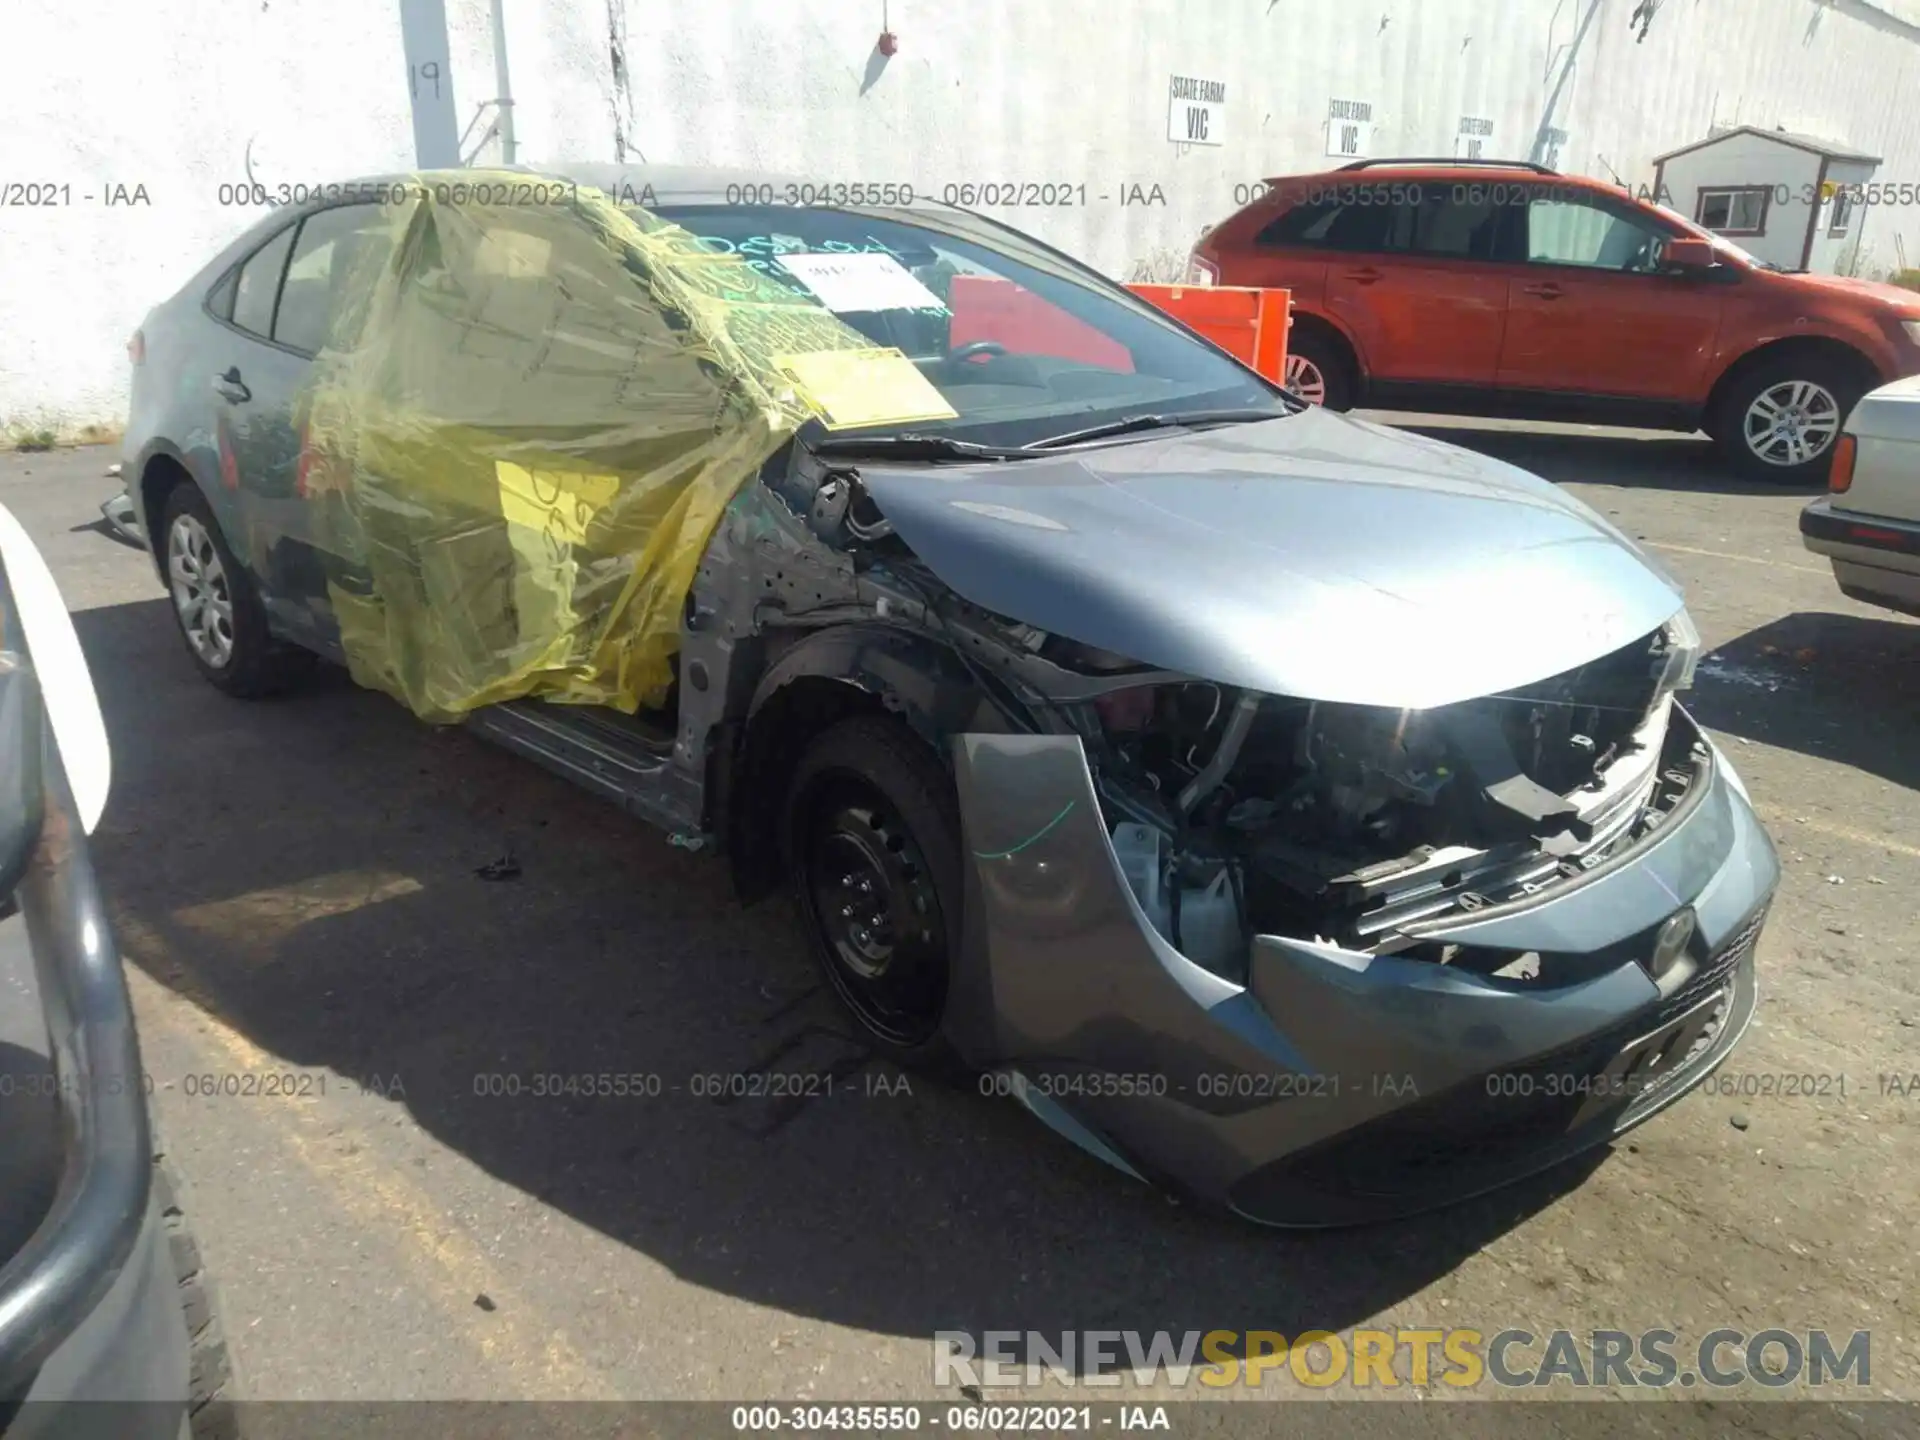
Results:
[1248, 323]
[987, 308]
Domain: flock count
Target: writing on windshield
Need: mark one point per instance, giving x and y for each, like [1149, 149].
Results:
[762, 252]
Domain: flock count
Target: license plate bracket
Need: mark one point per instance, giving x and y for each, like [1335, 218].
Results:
[1640, 1066]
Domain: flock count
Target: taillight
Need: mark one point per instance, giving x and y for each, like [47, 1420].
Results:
[1841, 476]
[137, 347]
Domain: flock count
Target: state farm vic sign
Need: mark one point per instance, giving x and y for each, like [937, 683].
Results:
[1197, 111]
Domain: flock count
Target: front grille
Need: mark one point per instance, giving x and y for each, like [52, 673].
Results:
[1720, 965]
[1483, 1125]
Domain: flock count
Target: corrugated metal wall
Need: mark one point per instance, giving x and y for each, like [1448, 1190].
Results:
[173, 95]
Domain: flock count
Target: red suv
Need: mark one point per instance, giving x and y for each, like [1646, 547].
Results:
[1507, 289]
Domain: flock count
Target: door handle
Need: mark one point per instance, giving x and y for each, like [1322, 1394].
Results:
[1366, 275]
[1546, 291]
[231, 388]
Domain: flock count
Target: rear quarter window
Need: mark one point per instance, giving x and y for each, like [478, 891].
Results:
[258, 286]
[220, 298]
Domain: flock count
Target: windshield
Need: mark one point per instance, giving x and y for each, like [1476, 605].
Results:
[1022, 343]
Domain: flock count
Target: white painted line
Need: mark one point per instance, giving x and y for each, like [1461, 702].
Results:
[1743, 559]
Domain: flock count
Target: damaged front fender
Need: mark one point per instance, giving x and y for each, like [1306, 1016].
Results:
[911, 675]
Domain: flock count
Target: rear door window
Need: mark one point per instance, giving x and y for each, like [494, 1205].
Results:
[334, 246]
[1450, 222]
[258, 288]
[1456, 222]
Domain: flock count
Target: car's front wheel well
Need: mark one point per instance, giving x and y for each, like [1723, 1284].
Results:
[774, 740]
[1814, 349]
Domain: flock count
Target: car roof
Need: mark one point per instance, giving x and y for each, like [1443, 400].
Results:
[600, 172]
[685, 184]
[1460, 171]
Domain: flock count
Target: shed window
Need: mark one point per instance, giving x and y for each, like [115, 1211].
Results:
[1842, 212]
[1741, 210]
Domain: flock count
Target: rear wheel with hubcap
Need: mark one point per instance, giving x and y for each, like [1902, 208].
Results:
[200, 592]
[874, 852]
[1316, 370]
[214, 603]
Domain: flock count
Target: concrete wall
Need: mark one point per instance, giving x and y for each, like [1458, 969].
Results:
[181, 97]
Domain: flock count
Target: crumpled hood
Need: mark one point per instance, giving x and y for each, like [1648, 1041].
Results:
[1315, 556]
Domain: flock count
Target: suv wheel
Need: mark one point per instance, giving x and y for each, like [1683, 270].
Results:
[215, 605]
[873, 846]
[1780, 420]
[1316, 370]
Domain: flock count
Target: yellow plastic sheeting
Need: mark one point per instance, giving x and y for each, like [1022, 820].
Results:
[526, 425]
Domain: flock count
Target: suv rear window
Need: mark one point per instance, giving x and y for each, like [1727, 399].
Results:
[1444, 221]
[1328, 224]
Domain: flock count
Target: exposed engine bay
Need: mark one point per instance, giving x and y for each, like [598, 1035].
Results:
[1235, 813]
[1338, 822]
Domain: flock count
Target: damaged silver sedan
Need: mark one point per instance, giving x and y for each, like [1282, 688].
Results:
[1292, 812]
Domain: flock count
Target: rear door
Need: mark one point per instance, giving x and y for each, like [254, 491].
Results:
[335, 249]
[252, 381]
[277, 308]
[1591, 312]
[1413, 279]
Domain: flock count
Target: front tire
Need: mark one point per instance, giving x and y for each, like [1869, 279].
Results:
[1779, 421]
[216, 607]
[873, 848]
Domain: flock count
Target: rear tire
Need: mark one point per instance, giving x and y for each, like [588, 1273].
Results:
[1777, 422]
[215, 605]
[1319, 370]
[873, 848]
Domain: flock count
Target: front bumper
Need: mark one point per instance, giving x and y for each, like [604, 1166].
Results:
[1337, 1087]
[1875, 559]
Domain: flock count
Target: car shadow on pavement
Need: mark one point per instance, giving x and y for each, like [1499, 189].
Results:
[1844, 688]
[306, 870]
[1631, 458]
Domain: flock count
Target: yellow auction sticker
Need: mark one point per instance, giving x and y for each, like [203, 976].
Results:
[848, 388]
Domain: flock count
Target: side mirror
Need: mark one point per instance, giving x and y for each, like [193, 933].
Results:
[1687, 254]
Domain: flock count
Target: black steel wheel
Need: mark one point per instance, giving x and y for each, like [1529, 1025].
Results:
[875, 855]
